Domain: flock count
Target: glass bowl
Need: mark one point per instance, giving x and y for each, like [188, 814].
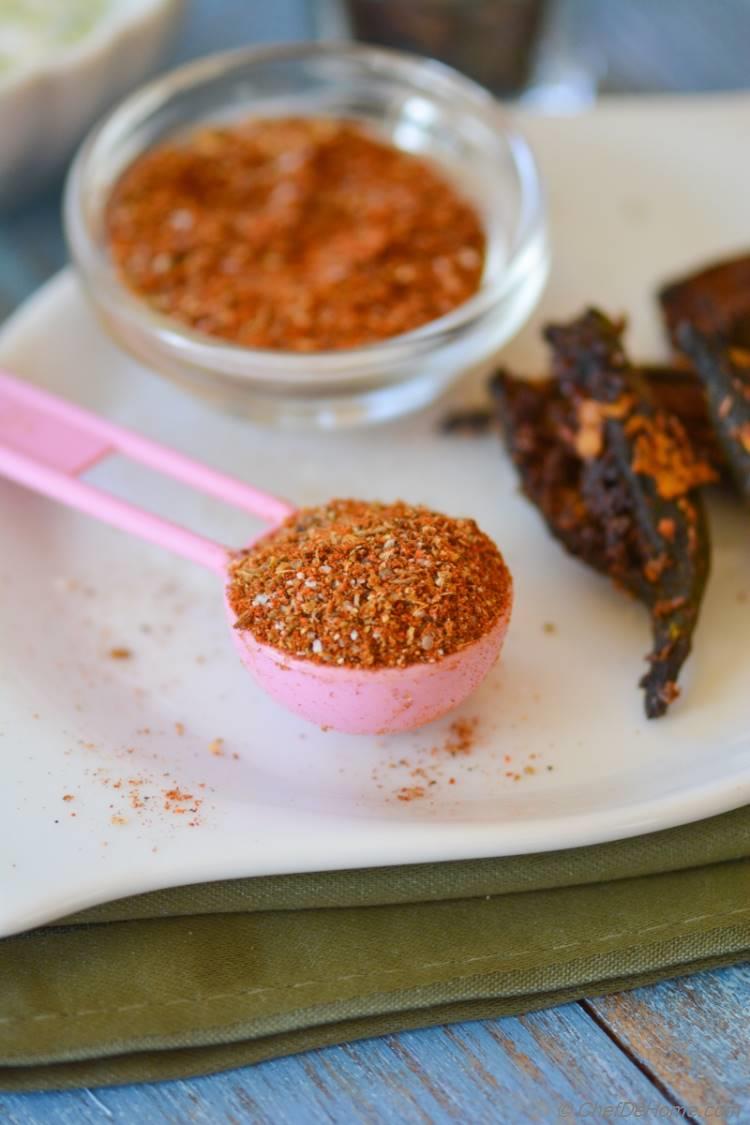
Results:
[420, 106]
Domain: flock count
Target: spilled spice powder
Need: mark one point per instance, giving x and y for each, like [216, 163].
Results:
[300, 234]
[662, 450]
[180, 803]
[177, 795]
[410, 793]
[370, 585]
[147, 796]
[461, 736]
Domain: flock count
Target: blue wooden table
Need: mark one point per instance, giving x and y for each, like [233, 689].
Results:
[677, 1051]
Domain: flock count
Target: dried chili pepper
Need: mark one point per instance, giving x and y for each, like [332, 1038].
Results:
[469, 421]
[679, 391]
[615, 478]
[538, 425]
[676, 390]
[707, 316]
[724, 370]
[715, 300]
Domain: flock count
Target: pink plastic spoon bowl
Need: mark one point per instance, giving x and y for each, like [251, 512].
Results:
[47, 444]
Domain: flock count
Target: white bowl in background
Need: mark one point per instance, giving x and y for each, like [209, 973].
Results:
[48, 102]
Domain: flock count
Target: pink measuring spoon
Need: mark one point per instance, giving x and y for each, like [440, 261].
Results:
[47, 444]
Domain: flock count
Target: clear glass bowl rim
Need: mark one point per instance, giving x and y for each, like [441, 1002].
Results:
[289, 366]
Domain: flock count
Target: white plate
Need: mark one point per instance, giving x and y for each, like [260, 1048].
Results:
[638, 191]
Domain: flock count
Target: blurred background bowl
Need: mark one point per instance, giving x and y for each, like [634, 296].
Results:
[68, 64]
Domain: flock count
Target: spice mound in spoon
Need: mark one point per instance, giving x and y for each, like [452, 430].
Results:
[382, 616]
[370, 585]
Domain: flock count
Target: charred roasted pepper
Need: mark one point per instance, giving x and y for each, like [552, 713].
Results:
[707, 316]
[714, 300]
[615, 478]
[724, 370]
[676, 390]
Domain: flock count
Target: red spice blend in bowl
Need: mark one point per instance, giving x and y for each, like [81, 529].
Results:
[296, 234]
[370, 585]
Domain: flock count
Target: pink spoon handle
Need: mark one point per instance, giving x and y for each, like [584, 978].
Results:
[46, 443]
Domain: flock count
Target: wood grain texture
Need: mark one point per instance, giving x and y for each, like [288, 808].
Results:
[538, 1068]
[693, 1035]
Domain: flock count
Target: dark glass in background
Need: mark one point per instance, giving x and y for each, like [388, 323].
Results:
[560, 53]
[492, 41]
[581, 48]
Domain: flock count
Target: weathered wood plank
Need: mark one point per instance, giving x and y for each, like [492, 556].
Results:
[533, 1069]
[693, 1035]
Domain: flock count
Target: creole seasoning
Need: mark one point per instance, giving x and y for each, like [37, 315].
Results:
[370, 585]
[298, 234]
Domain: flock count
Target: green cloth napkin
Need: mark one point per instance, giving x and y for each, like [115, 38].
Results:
[209, 977]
